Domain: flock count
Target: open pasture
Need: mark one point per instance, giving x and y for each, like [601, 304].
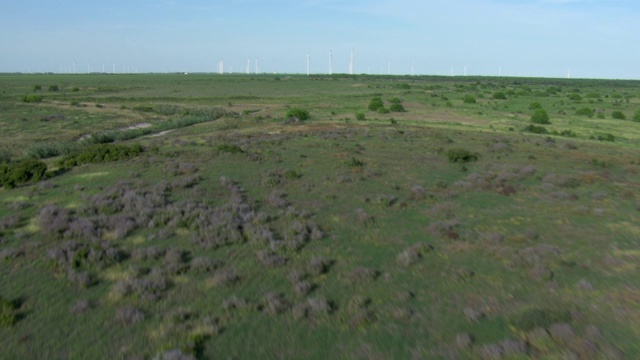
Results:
[153, 216]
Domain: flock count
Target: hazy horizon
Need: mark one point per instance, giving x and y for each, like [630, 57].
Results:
[533, 38]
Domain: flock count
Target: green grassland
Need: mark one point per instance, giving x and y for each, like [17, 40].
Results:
[187, 215]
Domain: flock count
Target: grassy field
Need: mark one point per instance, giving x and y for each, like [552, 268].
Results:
[159, 216]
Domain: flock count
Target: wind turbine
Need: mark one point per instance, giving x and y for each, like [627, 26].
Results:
[330, 62]
[308, 63]
[248, 65]
[351, 63]
[256, 66]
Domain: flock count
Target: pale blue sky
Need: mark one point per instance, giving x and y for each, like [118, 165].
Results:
[549, 38]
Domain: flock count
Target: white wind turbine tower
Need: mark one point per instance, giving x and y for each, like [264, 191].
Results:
[330, 62]
[308, 63]
[248, 65]
[351, 63]
[256, 66]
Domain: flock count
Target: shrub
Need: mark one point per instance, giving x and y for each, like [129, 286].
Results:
[536, 129]
[354, 162]
[585, 112]
[397, 107]
[468, 99]
[229, 149]
[48, 150]
[540, 116]
[375, 104]
[499, 96]
[129, 315]
[575, 97]
[54, 88]
[100, 153]
[535, 105]
[75, 89]
[5, 156]
[360, 116]
[636, 116]
[383, 110]
[604, 137]
[18, 173]
[297, 113]
[8, 314]
[31, 98]
[619, 115]
[459, 155]
[37, 87]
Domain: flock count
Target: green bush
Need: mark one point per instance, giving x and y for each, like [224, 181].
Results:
[397, 107]
[459, 155]
[575, 97]
[540, 116]
[535, 105]
[396, 100]
[100, 153]
[619, 115]
[375, 104]
[604, 137]
[75, 89]
[536, 129]
[31, 98]
[54, 88]
[383, 110]
[21, 172]
[8, 314]
[229, 149]
[468, 99]
[585, 112]
[360, 116]
[499, 95]
[636, 116]
[48, 150]
[37, 87]
[143, 108]
[566, 133]
[296, 113]
[5, 156]
[355, 162]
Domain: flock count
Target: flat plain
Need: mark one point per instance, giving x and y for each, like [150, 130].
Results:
[204, 216]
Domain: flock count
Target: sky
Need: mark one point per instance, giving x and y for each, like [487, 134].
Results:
[541, 38]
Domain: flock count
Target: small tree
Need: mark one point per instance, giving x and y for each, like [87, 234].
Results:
[54, 88]
[585, 112]
[535, 105]
[468, 99]
[618, 115]
[540, 116]
[499, 95]
[360, 116]
[397, 107]
[375, 104]
[636, 116]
